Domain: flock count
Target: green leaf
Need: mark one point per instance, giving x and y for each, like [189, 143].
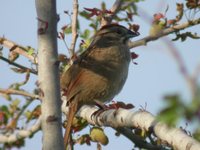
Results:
[173, 111]
[4, 108]
[85, 34]
[30, 50]
[85, 45]
[196, 134]
[103, 6]
[84, 14]
[28, 115]
[68, 30]
[15, 102]
[79, 124]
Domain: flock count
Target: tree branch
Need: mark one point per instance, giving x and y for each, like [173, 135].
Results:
[17, 92]
[48, 75]
[137, 140]
[16, 48]
[191, 80]
[115, 8]
[18, 65]
[175, 137]
[74, 27]
[13, 123]
[21, 133]
[165, 32]
[121, 120]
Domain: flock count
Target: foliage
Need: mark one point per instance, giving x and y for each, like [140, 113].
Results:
[176, 108]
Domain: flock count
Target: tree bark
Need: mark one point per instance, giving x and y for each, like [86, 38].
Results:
[120, 118]
[48, 75]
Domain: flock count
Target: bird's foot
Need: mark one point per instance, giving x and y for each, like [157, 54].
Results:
[102, 107]
[114, 105]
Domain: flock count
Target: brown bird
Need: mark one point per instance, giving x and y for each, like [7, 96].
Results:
[99, 73]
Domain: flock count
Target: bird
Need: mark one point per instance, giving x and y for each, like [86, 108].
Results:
[99, 73]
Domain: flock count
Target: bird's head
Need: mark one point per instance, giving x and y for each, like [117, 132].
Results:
[117, 32]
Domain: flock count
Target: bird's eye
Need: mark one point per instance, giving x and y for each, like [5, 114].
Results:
[119, 32]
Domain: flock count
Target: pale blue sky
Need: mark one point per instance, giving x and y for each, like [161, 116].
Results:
[155, 75]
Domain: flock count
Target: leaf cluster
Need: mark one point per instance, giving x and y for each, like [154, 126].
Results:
[177, 110]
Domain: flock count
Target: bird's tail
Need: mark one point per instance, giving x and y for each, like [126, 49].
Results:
[72, 111]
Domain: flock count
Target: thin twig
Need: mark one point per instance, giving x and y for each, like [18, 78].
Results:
[18, 65]
[190, 80]
[136, 139]
[116, 5]
[24, 133]
[115, 8]
[17, 92]
[17, 116]
[165, 32]
[74, 27]
[17, 49]
[126, 4]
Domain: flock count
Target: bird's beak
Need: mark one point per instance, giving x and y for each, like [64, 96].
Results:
[132, 34]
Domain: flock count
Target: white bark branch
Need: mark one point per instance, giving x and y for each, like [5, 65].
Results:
[9, 138]
[48, 74]
[122, 118]
[143, 120]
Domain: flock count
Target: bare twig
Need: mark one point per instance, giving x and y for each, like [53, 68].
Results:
[190, 79]
[126, 4]
[115, 8]
[17, 92]
[16, 48]
[74, 27]
[18, 65]
[165, 32]
[17, 116]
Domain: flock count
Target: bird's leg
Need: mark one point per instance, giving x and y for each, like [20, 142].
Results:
[101, 105]
[114, 105]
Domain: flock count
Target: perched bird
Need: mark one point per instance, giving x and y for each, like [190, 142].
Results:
[99, 73]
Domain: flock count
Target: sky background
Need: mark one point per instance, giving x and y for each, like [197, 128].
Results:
[156, 74]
